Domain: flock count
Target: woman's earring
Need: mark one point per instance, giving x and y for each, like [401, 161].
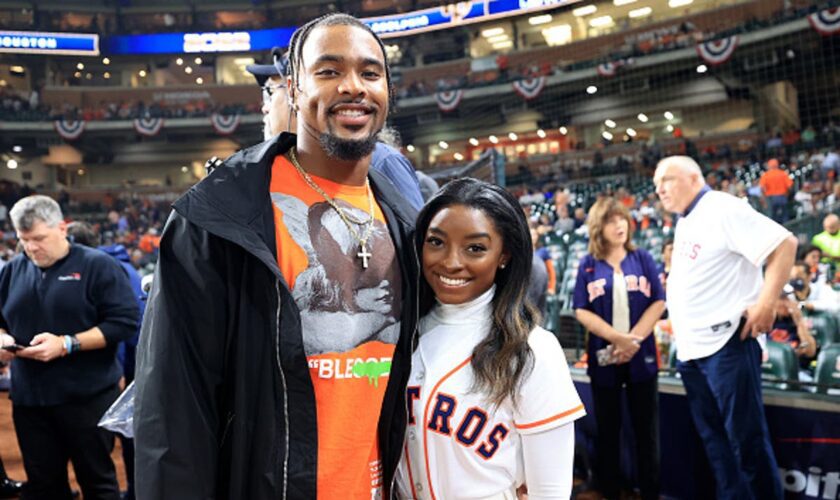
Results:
[502, 266]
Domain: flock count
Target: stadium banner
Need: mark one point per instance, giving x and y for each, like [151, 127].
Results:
[148, 126]
[609, 69]
[37, 42]
[719, 51]
[199, 43]
[805, 439]
[456, 14]
[225, 124]
[826, 22]
[448, 100]
[69, 130]
[529, 88]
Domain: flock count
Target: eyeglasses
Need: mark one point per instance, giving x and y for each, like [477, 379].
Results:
[269, 90]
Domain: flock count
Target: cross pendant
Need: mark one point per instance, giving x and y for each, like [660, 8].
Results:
[364, 255]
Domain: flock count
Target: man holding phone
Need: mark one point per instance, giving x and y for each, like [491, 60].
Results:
[63, 310]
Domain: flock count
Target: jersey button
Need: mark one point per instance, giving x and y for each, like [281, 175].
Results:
[420, 376]
[418, 486]
[412, 435]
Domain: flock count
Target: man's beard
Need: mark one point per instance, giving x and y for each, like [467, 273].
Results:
[347, 149]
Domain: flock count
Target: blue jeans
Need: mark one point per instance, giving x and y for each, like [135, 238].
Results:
[724, 394]
[778, 208]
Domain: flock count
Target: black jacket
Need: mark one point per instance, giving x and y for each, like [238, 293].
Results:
[225, 406]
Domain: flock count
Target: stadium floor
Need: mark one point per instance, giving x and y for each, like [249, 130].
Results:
[11, 453]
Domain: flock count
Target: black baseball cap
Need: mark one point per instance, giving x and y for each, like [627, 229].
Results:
[280, 67]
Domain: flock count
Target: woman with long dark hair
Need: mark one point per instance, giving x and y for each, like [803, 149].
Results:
[618, 298]
[491, 403]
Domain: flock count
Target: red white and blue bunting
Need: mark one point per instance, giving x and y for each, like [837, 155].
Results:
[69, 130]
[148, 126]
[718, 51]
[529, 88]
[225, 124]
[826, 22]
[609, 69]
[448, 100]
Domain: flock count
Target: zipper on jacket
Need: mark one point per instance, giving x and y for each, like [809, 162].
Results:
[392, 493]
[285, 392]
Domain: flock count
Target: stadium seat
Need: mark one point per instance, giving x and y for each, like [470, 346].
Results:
[780, 369]
[828, 369]
[824, 328]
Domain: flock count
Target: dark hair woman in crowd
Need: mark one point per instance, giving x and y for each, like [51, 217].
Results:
[618, 298]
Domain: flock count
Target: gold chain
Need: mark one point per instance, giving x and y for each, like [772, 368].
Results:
[364, 255]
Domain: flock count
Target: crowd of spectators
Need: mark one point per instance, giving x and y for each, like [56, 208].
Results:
[14, 107]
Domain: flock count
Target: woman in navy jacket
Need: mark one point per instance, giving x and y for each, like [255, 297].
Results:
[618, 298]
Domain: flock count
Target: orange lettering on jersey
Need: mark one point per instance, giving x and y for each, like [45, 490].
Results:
[596, 288]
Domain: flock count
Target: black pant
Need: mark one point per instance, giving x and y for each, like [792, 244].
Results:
[643, 403]
[49, 436]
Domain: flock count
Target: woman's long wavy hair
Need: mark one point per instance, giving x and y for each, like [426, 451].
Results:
[503, 359]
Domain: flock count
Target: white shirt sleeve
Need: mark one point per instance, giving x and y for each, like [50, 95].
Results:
[548, 397]
[749, 232]
[549, 462]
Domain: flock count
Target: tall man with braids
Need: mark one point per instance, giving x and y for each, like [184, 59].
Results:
[276, 346]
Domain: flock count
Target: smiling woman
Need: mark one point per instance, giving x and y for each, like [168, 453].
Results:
[489, 390]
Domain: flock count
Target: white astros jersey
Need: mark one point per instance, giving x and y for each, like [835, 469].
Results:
[457, 445]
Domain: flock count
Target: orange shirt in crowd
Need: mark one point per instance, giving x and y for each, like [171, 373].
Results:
[775, 182]
[349, 320]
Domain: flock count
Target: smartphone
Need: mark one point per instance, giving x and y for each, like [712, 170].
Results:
[13, 347]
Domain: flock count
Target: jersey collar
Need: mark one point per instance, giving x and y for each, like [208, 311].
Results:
[693, 204]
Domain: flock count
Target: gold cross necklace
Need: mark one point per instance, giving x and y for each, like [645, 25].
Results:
[349, 220]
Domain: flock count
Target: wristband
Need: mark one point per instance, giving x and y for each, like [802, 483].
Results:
[68, 344]
[75, 344]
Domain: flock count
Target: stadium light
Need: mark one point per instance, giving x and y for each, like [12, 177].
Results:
[558, 34]
[3, 83]
[185, 169]
[410, 148]
[12, 164]
[606, 135]
[494, 139]
[77, 74]
[80, 66]
[17, 149]
[473, 141]
[459, 157]
[503, 45]
[443, 145]
[669, 128]
[591, 89]
[89, 76]
[631, 132]
[585, 11]
[199, 80]
[198, 61]
[179, 61]
[498, 38]
[492, 32]
[81, 171]
[564, 130]
[702, 69]
[142, 73]
[602, 22]
[609, 123]
[541, 133]
[543, 19]
[513, 136]
[106, 61]
[679, 3]
[188, 70]
[636, 13]
[106, 75]
[642, 117]
[619, 3]
[668, 115]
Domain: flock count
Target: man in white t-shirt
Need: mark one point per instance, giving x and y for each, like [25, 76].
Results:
[719, 304]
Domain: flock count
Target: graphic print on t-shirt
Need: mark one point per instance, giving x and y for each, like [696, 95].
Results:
[349, 318]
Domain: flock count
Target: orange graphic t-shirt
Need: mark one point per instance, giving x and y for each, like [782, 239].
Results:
[349, 318]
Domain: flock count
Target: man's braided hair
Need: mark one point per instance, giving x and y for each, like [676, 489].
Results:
[333, 19]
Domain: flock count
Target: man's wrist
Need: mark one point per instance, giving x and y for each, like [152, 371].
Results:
[71, 344]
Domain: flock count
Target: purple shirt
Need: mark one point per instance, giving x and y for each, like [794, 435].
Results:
[594, 291]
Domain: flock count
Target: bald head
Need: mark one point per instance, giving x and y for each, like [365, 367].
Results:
[678, 180]
[831, 224]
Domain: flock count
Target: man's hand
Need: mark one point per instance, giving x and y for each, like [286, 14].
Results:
[6, 339]
[759, 320]
[44, 347]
